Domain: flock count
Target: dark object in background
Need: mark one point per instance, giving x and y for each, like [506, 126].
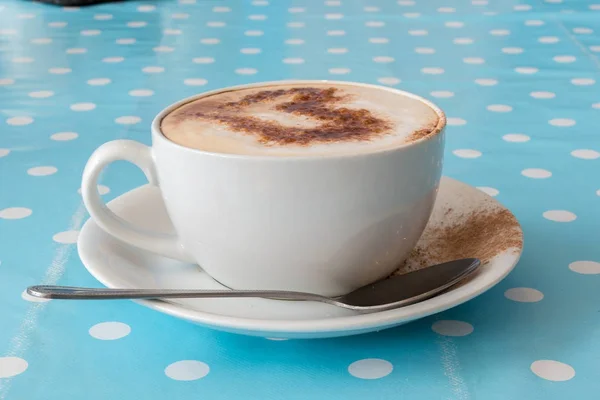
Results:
[76, 3]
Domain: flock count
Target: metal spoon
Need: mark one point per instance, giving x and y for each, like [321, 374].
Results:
[386, 294]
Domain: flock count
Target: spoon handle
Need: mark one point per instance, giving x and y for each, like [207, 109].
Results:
[81, 293]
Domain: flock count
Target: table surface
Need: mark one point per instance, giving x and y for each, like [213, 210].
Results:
[518, 83]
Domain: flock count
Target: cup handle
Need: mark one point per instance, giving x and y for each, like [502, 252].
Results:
[141, 156]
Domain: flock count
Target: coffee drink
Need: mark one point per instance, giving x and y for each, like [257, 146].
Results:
[300, 120]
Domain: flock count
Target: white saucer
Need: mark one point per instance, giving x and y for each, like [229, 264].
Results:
[117, 265]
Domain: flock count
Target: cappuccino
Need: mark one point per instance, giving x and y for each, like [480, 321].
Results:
[301, 120]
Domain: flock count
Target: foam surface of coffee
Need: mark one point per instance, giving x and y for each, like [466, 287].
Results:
[300, 119]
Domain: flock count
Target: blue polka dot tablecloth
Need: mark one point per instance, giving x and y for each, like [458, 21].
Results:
[519, 82]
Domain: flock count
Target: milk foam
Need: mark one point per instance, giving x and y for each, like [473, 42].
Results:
[408, 119]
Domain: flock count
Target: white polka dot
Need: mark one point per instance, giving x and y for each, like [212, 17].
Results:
[418, 32]
[109, 330]
[388, 80]
[137, 24]
[337, 50]
[246, 71]
[294, 41]
[128, 120]
[452, 328]
[479, 2]
[370, 368]
[564, 59]
[463, 41]
[583, 31]
[585, 267]
[59, 71]
[146, 8]
[411, 15]
[467, 153]
[424, 50]
[83, 106]
[446, 10]
[596, 106]
[153, 69]
[141, 92]
[254, 33]
[8, 32]
[172, 32]
[371, 9]
[516, 138]
[260, 3]
[334, 16]
[486, 82]
[15, 213]
[406, 2]
[542, 95]
[594, 7]
[583, 81]
[180, 16]
[250, 50]
[536, 173]
[585, 154]
[559, 216]
[103, 17]
[293, 60]
[90, 32]
[432, 70]
[454, 24]
[379, 40]
[12, 366]
[490, 191]
[64, 136]
[210, 41]
[553, 1]
[195, 82]
[455, 121]
[522, 7]
[333, 3]
[595, 49]
[552, 370]
[66, 237]
[512, 50]
[383, 59]
[221, 9]
[163, 49]
[534, 22]
[374, 24]
[19, 121]
[42, 94]
[257, 17]
[6, 81]
[499, 108]
[27, 297]
[336, 33]
[70, 9]
[524, 295]
[216, 24]
[339, 71]
[442, 94]
[98, 81]
[548, 39]
[42, 171]
[296, 10]
[473, 60]
[41, 41]
[526, 70]
[4, 152]
[187, 370]
[113, 60]
[125, 41]
[26, 16]
[203, 60]
[562, 122]
[499, 32]
[23, 60]
[295, 24]
[57, 24]
[76, 50]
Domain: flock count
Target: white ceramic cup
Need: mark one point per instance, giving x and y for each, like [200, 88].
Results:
[323, 224]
